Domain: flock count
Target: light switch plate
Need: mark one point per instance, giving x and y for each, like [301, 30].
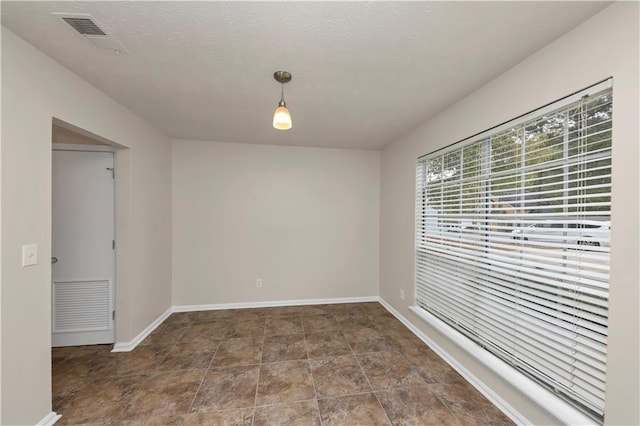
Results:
[29, 254]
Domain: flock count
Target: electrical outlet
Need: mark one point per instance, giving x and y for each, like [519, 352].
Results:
[401, 294]
[259, 283]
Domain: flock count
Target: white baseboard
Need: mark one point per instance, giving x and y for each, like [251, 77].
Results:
[129, 346]
[494, 398]
[274, 303]
[49, 419]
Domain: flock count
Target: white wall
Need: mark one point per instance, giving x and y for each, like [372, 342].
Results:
[606, 45]
[34, 90]
[305, 220]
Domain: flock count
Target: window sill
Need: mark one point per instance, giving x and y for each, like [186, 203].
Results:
[546, 399]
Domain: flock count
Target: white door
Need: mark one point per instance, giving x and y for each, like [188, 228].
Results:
[82, 270]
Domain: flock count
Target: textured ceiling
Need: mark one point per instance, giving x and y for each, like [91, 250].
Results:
[364, 73]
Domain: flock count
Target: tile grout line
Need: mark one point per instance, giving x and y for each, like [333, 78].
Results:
[275, 404]
[347, 395]
[439, 398]
[255, 398]
[370, 385]
[313, 380]
[205, 373]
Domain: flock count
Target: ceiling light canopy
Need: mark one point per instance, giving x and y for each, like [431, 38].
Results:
[281, 116]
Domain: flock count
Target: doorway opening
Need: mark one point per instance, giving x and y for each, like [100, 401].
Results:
[83, 238]
[88, 297]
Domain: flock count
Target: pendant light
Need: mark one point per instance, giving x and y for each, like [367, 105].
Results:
[281, 116]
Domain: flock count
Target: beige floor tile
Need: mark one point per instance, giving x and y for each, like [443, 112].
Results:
[338, 376]
[164, 394]
[415, 405]
[213, 315]
[204, 331]
[190, 356]
[241, 417]
[284, 348]
[389, 370]
[282, 382]
[278, 326]
[102, 401]
[303, 413]
[363, 409]
[143, 359]
[227, 388]
[325, 344]
[319, 323]
[469, 405]
[241, 351]
[246, 327]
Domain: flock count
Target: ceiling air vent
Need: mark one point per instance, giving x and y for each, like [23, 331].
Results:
[87, 27]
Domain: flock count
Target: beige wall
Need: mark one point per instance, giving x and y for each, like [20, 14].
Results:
[34, 90]
[305, 220]
[604, 46]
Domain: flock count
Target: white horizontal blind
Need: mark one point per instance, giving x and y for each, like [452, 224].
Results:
[512, 242]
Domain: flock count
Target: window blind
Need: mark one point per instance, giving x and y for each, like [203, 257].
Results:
[512, 242]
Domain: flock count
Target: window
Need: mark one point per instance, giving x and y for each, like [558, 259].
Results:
[512, 242]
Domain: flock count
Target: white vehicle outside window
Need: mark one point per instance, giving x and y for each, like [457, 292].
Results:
[585, 232]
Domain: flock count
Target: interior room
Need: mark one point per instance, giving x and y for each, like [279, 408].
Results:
[320, 213]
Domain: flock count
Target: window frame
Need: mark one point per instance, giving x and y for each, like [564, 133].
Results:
[570, 411]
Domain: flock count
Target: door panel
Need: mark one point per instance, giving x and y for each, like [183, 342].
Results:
[83, 232]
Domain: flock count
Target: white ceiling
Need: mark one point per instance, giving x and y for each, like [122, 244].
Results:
[364, 73]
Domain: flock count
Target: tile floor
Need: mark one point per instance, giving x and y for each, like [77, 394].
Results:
[343, 364]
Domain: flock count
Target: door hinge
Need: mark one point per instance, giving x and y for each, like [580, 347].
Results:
[113, 244]
[113, 172]
[113, 315]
